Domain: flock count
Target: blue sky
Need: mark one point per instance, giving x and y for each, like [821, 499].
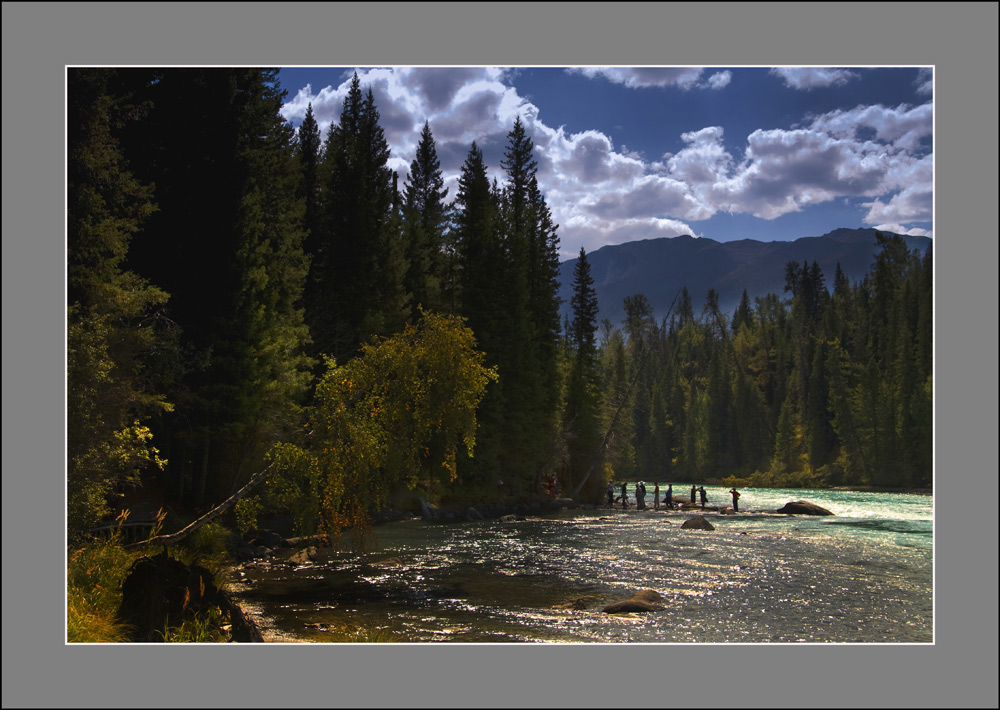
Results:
[638, 153]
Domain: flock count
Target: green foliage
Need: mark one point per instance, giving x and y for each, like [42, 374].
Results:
[247, 511]
[396, 414]
[200, 627]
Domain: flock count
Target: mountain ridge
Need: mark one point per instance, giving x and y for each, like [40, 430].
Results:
[660, 267]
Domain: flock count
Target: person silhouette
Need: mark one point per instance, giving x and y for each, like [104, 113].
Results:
[736, 498]
[624, 497]
[704, 496]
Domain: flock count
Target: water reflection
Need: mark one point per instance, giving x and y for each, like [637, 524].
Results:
[757, 578]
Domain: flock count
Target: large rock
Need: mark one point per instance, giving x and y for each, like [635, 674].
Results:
[802, 507]
[269, 538]
[303, 556]
[428, 512]
[698, 522]
[642, 601]
[162, 591]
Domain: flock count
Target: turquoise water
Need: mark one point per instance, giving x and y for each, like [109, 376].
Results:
[864, 575]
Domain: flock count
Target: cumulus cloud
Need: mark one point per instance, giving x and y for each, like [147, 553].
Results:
[719, 80]
[636, 77]
[902, 126]
[912, 204]
[900, 229]
[805, 78]
[925, 81]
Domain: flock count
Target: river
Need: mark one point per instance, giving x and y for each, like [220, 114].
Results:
[864, 575]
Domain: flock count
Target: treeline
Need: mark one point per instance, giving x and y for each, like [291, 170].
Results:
[217, 258]
[822, 387]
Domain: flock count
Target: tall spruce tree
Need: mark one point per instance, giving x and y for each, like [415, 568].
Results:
[532, 252]
[308, 148]
[425, 219]
[358, 290]
[582, 414]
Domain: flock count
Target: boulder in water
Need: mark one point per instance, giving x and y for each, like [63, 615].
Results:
[642, 601]
[427, 511]
[303, 556]
[698, 522]
[802, 507]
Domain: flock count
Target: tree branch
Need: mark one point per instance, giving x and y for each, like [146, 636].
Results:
[206, 518]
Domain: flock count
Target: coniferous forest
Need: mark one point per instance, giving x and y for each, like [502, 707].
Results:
[244, 295]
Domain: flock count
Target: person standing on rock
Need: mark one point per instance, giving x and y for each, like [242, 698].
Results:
[668, 498]
[694, 494]
[611, 494]
[704, 496]
[656, 496]
[624, 497]
[736, 498]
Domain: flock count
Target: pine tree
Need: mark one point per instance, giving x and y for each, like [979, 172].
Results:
[308, 148]
[359, 272]
[581, 419]
[426, 224]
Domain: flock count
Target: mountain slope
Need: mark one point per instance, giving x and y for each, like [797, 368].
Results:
[659, 268]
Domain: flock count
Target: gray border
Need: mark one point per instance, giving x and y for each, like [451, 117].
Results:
[40, 38]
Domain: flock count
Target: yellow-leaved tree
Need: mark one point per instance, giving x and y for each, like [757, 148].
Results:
[396, 414]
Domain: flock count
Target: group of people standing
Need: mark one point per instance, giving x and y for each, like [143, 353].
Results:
[668, 498]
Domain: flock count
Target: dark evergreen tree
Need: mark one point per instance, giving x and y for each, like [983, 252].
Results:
[308, 148]
[360, 265]
[426, 224]
[581, 420]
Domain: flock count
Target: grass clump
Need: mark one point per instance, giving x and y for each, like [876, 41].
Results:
[93, 592]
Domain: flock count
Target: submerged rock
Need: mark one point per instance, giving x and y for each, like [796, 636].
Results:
[698, 522]
[577, 604]
[642, 601]
[802, 507]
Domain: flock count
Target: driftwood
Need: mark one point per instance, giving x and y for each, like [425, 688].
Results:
[215, 512]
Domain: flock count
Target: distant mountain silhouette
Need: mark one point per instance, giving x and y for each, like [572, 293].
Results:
[659, 268]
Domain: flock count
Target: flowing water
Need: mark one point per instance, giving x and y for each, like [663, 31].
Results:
[864, 575]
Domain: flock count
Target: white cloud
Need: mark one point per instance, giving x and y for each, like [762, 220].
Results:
[900, 229]
[913, 204]
[719, 80]
[636, 77]
[805, 78]
[925, 81]
[902, 126]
